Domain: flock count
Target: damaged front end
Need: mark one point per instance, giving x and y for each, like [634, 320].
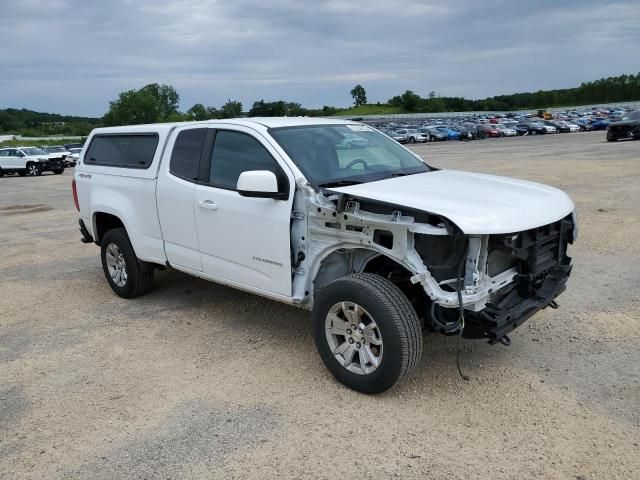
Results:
[502, 279]
[517, 275]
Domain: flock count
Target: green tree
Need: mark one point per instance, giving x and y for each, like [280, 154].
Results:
[279, 108]
[198, 112]
[359, 95]
[231, 109]
[151, 104]
[410, 101]
[168, 98]
[213, 112]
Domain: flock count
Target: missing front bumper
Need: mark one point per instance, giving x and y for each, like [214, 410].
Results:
[497, 320]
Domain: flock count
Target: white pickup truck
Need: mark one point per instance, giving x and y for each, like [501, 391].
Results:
[379, 245]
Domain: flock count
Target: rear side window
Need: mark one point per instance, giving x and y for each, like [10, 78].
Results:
[124, 151]
[185, 158]
[234, 153]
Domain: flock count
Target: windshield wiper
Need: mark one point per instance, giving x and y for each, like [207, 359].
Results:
[339, 183]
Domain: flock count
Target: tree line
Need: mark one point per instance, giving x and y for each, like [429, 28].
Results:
[624, 88]
[160, 103]
[30, 123]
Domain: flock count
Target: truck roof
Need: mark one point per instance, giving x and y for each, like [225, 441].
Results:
[267, 122]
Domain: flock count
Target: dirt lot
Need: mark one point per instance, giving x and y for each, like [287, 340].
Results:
[197, 380]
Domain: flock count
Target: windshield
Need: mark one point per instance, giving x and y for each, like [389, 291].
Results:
[56, 149]
[34, 151]
[321, 153]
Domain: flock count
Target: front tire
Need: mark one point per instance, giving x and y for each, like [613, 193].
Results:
[127, 276]
[33, 170]
[366, 332]
[58, 171]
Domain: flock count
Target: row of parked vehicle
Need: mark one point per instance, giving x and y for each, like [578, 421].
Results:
[33, 161]
[504, 125]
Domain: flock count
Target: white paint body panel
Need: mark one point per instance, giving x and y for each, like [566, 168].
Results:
[175, 199]
[246, 240]
[476, 203]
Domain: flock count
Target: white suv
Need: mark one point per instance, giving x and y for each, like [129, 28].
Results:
[28, 161]
[379, 245]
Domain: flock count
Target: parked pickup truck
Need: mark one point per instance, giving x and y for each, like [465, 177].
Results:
[379, 245]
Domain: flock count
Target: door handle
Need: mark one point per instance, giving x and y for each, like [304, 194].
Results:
[208, 204]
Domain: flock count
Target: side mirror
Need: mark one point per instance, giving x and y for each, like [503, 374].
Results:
[259, 184]
[20, 154]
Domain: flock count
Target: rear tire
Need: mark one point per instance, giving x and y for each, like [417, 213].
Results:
[127, 276]
[58, 171]
[386, 344]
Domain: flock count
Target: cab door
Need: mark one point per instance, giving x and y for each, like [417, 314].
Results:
[244, 240]
[175, 196]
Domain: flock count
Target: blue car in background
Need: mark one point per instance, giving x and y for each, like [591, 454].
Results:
[600, 124]
[451, 134]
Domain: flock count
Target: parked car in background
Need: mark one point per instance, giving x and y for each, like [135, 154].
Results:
[584, 125]
[520, 129]
[413, 135]
[572, 127]
[505, 131]
[467, 132]
[558, 125]
[73, 157]
[397, 136]
[436, 135]
[600, 124]
[28, 161]
[537, 128]
[73, 145]
[627, 127]
[56, 152]
[489, 130]
[451, 134]
[549, 128]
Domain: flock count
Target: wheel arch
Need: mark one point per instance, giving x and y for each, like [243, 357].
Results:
[341, 260]
[103, 221]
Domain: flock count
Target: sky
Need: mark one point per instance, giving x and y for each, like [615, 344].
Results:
[75, 56]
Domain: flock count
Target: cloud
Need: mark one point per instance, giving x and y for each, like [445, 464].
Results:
[73, 56]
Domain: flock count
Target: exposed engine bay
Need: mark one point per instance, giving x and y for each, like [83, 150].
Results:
[502, 279]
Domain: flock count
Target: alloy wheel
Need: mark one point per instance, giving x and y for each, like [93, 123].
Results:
[116, 265]
[354, 338]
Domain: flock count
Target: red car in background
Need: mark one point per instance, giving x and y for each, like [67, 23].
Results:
[489, 130]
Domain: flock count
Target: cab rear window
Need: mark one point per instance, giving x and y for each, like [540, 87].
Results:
[122, 150]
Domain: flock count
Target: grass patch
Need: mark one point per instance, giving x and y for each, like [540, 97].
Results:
[371, 110]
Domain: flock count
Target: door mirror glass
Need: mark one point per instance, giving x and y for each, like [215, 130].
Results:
[259, 183]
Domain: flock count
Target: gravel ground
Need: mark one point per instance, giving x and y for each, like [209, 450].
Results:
[197, 380]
